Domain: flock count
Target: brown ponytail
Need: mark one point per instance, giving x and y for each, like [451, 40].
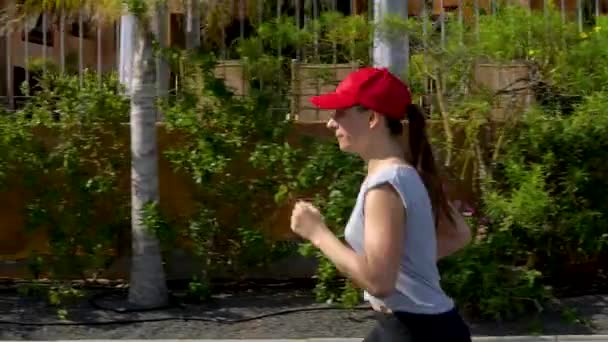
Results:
[421, 157]
[424, 162]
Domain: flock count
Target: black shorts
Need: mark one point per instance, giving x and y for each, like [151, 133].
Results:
[410, 327]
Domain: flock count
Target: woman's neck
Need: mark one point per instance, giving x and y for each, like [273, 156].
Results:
[389, 154]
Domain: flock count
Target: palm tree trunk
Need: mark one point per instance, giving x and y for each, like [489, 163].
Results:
[128, 24]
[392, 52]
[193, 24]
[148, 285]
[162, 67]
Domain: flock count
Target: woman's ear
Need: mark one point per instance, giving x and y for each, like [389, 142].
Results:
[374, 119]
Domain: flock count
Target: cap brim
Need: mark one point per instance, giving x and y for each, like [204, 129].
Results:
[332, 101]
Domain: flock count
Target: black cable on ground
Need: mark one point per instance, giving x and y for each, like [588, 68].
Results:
[182, 318]
[173, 303]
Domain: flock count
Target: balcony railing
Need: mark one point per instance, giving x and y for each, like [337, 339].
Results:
[84, 44]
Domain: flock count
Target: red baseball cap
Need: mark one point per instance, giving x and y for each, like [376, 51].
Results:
[373, 88]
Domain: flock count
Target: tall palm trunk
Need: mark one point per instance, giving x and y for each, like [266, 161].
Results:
[162, 67]
[128, 25]
[148, 286]
[193, 24]
[391, 51]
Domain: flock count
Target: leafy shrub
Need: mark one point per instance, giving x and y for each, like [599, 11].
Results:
[545, 211]
[220, 132]
[339, 175]
[551, 184]
[65, 149]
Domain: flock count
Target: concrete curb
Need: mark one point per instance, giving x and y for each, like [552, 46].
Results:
[561, 338]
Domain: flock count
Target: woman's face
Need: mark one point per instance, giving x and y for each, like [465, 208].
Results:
[352, 128]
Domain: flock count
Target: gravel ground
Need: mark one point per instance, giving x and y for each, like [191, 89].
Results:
[197, 321]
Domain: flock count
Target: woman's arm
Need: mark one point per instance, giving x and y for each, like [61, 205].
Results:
[452, 236]
[376, 270]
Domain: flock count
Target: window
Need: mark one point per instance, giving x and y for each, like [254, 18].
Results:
[88, 29]
[177, 30]
[36, 35]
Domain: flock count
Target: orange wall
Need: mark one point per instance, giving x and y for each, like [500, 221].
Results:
[176, 199]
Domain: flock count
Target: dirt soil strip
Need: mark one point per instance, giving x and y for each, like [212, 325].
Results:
[585, 315]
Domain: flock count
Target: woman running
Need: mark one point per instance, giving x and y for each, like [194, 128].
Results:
[402, 222]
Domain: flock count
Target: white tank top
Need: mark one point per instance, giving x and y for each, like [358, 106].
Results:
[418, 288]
